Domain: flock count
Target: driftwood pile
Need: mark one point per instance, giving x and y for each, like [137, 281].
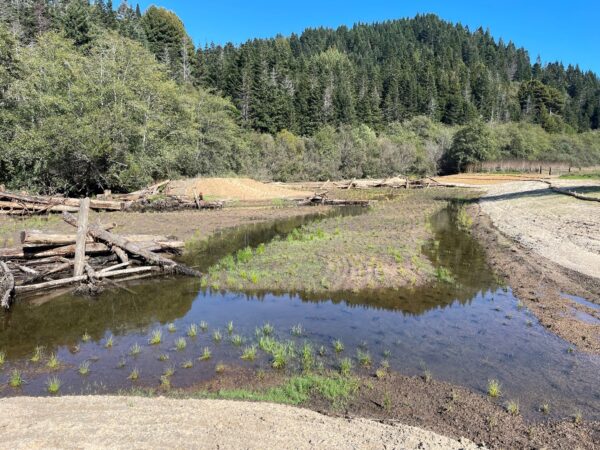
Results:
[93, 255]
[393, 183]
[152, 198]
[322, 199]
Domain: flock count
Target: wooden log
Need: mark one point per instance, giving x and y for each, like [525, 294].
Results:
[7, 285]
[53, 271]
[115, 267]
[134, 249]
[22, 207]
[69, 250]
[121, 254]
[62, 202]
[33, 239]
[82, 228]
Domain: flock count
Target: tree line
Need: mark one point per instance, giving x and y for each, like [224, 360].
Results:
[93, 98]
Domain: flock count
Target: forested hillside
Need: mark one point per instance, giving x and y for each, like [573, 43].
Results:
[95, 97]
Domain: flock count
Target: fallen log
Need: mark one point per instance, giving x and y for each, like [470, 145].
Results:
[119, 241]
[323, 200]
[34, 239]
[62, 202]
[73, 280]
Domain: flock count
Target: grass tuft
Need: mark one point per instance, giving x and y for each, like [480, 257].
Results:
[513, 407]
[249, 353]
[171, 328]
[192, 330]
[155, 337]
[134, 375]
[220, 368]
[163, 357]
[203, 326]
[206, 354]
[187, 364]
[180, 344]
[135, 349]
[338, 346]
[345, 367]
[217, 337]
[364, 358]
[53, 384]
[237, 340]
[16, 378]
[230, 328]
[53, 362]
[86, 337]
[38, 354]
[109, 342]
[297, 330]
[494, 388]
[84, 368]
[2, 358]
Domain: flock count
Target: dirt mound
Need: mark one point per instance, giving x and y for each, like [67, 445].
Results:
[478, 179]
[132, 422]
[233, 189]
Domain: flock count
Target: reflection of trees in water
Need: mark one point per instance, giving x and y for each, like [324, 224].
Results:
[63, 320]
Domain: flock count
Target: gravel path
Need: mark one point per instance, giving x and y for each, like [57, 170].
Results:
[134, 422]
[563, 229]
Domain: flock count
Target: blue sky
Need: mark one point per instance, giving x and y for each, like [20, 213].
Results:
[557, 30]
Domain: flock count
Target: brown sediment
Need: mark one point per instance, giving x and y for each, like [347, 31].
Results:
[542, 284]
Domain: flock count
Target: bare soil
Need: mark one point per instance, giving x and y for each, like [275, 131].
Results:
[243, 189]
[134, 422]
[484, 179]
[546, 245]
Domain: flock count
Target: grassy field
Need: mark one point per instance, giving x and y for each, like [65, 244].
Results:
[378, 248]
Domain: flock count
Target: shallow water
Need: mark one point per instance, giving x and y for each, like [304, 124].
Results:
[466, 331]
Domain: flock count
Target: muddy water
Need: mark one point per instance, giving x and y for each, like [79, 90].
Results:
[465, 329]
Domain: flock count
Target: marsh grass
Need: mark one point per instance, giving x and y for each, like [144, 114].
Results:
[427, 376]
[169, 371]
[121, 363]
[249, 353]
[109, 342]
[364, 358]
[206, 354]
[220, 368]
[180, 344]
[237, 340]
[84, 368]
[2, 358]
[163, 357]
[494, 389]
[338, 346]
[187, 364]
[345, 367]
[267, 329]
[171, 328]
[53, 362]
[297, 330]
[53, 385]
[230, 328]
[86, 337]
[16, 378]
[512, 406]
[307, 357]
[387, 353]
[577, 417]
[134, 375]
[322, 351]
[203, 326]
[165, 382]
[155, 337]
[38, 354]
[135, 349]
[192, 330]
[217, 337]
[545, 408]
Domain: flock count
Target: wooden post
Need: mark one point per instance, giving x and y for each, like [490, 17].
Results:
[82, 229]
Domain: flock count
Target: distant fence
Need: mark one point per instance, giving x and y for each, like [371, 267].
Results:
[518, 165]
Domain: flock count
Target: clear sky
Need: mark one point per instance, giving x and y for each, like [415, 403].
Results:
[557, 30]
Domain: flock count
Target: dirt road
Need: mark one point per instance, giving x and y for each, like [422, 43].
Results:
[558, 227]
[132, 422]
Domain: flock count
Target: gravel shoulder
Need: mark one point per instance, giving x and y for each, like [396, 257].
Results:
[133, 422]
